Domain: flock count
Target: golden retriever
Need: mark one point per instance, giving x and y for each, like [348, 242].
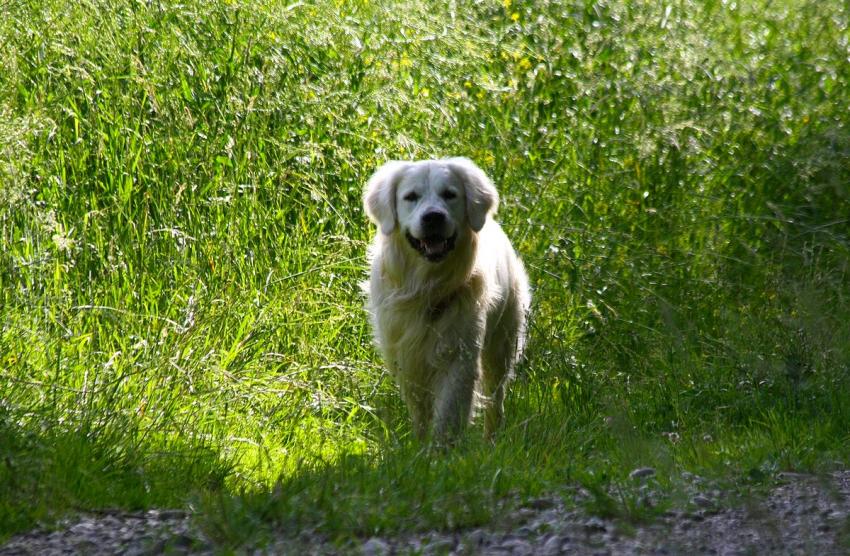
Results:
[448, 296]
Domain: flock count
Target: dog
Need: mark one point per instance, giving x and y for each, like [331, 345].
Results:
[447, 295]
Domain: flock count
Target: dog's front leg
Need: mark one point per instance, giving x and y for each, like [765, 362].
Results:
[453, 399]
[419, 402]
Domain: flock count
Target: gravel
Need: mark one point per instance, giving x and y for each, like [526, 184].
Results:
[802, 515]
[126, 533]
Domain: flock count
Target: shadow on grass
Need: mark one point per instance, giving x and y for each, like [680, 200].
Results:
[47, 474]
[404, 486]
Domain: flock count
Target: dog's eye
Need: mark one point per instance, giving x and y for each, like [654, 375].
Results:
[448, 195]
[411, 197]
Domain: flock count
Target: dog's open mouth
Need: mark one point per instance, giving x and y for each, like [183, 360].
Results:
[433, 248]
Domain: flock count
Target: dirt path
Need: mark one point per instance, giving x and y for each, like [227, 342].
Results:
[803, 515]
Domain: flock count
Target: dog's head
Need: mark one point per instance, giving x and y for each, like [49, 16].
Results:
[431, 203]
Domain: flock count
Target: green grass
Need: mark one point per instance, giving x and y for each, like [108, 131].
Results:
[181, 242]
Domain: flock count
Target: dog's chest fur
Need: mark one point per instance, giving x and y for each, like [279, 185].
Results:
[420, 331]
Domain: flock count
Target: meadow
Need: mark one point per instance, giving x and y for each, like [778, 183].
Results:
[182, 242]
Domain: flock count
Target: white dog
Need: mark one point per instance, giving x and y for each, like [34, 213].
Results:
[448, 296]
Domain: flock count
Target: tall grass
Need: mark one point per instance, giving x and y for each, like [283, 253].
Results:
[182, 242]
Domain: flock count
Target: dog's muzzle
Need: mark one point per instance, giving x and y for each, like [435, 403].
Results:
[433, 248]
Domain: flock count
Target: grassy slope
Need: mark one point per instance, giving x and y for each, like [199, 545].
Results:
[182, 242]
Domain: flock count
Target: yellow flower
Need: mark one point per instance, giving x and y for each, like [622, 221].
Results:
[467, 84]
[425, 92]
[507, 4]
[515, 16]
[524, 64]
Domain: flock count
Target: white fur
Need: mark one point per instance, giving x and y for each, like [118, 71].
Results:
[453, 328]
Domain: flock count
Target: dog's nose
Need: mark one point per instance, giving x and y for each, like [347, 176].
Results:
[433, 218]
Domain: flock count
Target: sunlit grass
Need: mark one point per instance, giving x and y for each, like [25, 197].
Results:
[181, 243]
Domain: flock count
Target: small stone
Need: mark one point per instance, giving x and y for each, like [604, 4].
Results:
[110, 521]
[438, 546]
[477, 537]
[791, 476]
[518, 547]
[85, 527]
[642, 472]
[526, 531]
[555, 544]
[594, 524]
[375, 547]
[610, 536]
[702, 501]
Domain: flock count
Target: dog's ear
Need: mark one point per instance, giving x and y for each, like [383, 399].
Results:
[379, 195]
[481, 196]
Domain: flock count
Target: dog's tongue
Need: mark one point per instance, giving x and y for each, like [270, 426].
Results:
[434, 246]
